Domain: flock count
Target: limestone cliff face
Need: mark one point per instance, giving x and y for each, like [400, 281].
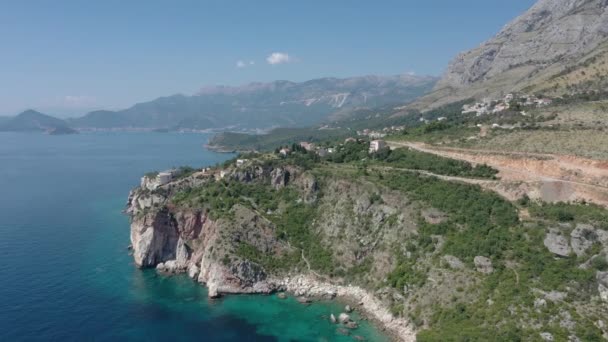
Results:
[552, 31]
[175, 239]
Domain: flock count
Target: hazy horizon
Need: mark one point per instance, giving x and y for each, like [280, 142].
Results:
[72, 57]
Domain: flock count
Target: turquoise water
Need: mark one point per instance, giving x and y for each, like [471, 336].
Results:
[66, 272]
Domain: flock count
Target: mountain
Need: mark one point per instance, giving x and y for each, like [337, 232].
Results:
[30, 121]
[556, 46]
[263, 105]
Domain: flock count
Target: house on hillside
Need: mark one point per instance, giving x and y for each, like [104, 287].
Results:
[307, 146]
[376, 145]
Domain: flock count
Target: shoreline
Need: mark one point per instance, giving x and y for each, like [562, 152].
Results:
[397, 328]
[223, 149]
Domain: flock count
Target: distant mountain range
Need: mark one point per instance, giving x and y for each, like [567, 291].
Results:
[253, 106]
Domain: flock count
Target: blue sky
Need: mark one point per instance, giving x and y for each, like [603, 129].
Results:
[68, 57]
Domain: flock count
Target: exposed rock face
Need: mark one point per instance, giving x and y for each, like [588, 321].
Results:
[279, 178]
[483, 265]
[184, 240]
[453, 262]
[552, 31]
[557, 243]
[602, 278]
[582, 238]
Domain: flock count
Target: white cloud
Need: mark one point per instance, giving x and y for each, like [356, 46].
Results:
[411, 73]
[243, 64]
[278, 58]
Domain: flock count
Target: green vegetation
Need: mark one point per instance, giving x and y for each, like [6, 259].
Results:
[479, 220]
[218, 197]
[482, 223]
[357, 152]
[571, 212]
[151, 174]
[410, 159]
[292, 219]
[277, 137]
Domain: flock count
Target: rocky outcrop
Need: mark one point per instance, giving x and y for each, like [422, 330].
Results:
[368, 303]
[176, 239]
[582, 238]
[551, 32]
[453, 262]
[557, 243]
[483, 265]
[602, 278]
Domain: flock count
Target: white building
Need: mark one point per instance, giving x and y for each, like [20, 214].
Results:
[284, 151]
[164, 177]
[376, 145]
[241, 162]
[152, 182]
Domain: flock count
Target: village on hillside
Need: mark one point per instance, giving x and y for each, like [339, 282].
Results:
[510, 101]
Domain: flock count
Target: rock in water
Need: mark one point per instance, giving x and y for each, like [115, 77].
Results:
[304, 300]
[282, 295]
[343, 331]
[333, 319]
[213, 293]
[351, 325]
[348, 309]
[343, 318]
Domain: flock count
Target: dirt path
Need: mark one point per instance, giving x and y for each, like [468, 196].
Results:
[551, 178]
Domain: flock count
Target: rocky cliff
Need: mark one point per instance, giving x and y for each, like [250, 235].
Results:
[176, 239]
[552, 31]
[555, 45]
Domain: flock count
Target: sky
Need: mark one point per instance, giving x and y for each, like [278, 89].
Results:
[67, 57]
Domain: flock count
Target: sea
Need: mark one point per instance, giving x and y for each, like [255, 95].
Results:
[66, 273]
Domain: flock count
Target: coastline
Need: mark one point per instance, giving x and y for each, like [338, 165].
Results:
[397, 329]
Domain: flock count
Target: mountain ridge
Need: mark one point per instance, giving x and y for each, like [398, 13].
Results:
[262, 105]
[557, 46]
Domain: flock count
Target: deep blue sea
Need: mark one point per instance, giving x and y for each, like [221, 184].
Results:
[65, 272]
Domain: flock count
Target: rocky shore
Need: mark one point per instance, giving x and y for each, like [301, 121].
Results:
[308, 286]
[175, 238]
